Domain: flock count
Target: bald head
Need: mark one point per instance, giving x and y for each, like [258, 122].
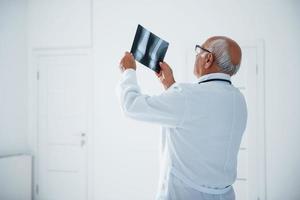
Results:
[227, 53]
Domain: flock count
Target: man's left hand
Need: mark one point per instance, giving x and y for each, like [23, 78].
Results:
[127, 62]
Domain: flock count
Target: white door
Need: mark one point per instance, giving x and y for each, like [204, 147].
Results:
[64, 87]
[250, 181]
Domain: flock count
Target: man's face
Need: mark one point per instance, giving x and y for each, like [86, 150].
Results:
[199, 61]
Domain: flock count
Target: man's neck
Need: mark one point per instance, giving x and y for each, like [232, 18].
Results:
[211, 72]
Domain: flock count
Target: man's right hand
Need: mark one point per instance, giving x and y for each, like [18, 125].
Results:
[165, 75]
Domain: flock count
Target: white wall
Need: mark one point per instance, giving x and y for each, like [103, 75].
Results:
[13, 76]
[126, 152]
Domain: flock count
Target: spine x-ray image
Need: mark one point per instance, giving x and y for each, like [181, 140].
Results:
[148, 49]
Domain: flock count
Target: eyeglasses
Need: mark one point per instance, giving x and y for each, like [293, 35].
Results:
[198, 49]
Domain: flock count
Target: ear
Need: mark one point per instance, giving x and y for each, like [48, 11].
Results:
[209, 59]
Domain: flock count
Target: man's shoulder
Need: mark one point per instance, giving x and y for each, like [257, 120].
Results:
[180, 87]
[185, 85]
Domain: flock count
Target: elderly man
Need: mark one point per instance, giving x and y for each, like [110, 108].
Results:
[202, 123]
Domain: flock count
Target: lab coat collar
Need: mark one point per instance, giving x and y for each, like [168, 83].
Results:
[213, 76]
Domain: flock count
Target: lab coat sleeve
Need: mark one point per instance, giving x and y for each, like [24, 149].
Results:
[167, 109]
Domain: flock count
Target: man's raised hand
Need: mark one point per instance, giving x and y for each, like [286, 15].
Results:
[127, 62]
[165, 75]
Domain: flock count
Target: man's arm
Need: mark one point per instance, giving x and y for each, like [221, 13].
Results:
[165, 75]
[167, 109]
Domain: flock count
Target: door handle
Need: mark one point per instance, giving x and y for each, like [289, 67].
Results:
[82, 135]
[79, 134]
[82, 143]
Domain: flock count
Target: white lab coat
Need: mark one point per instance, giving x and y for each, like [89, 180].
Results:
[202, 126]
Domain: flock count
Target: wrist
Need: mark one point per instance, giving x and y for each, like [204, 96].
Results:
[128, 68]
[167, 86]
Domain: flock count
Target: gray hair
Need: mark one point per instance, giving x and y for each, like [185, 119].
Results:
[219, 48]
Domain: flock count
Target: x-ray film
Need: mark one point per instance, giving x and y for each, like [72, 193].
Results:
[148, 49]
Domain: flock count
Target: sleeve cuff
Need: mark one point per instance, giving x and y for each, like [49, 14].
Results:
[129, 76]
[128, 72]
[174, 85]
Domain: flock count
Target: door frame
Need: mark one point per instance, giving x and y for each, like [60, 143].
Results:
[33, 107]
[259, 45]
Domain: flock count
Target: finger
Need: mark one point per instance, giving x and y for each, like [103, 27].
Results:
[163, 65]
[128, 54]
[161, 78]
[158, 74]
[122, 60]
[121, 67]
